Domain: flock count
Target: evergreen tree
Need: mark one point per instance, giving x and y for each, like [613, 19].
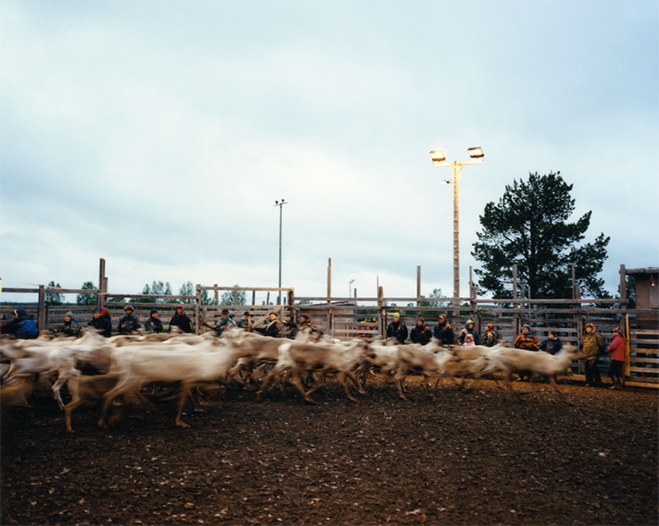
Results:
[187, 289]
[86, 299]
[529, 227]
[228, 297]
[54, 298]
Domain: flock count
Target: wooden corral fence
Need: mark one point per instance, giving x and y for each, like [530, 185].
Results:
[368, 317]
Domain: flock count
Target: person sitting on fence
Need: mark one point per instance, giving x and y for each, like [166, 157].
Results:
[490, 338]
[181, 321]
[617, 349]
[70, 326]
[469, 329]
[592, 345]
[397, 329]
[129, 322]
[526, 340]
[443, 331]
[305, 325]
[552, 344]
[245, 322]
[273, 327]
[153, 324]
[22, 327]
[469, 341]
[421, 333]
[101, 322]
[224, 323]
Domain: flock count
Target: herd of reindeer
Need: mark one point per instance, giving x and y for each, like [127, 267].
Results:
[124, 369]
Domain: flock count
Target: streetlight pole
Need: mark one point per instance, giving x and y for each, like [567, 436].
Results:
[280, 204]
[439, 160]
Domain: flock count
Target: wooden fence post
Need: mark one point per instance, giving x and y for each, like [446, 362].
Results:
[42, 316]
[102, 285]
[197, 309]
[627, 371]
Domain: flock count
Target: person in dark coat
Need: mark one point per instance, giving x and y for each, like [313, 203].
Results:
[273, 327]
[421, 333]
[153, 324]
[490, 338]
[181, 321]
[443, 331]
[245, 322]
[469, 329]
[397, 329]
[70, 326]
[22, 327]
[129, 322]
[224, 323]
[101, 322]
[552, 344]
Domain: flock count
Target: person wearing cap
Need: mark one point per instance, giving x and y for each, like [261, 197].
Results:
[526, 340]
[420, 333]
[70, 326]
[129, 322]
[397, 329]
[181, 320]
[552, 344]
[490, 338]
[101, 322]
[443, 331]
[469, 329]
[225, 322]
[245, 322]
[617, 350]
[153, 325]
[592, 345]
[22, 327]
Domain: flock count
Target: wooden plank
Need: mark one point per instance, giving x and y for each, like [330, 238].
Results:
[644, 351]
[638, 359]
[648, 370]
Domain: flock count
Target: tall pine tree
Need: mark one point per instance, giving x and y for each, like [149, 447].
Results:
[529, 226]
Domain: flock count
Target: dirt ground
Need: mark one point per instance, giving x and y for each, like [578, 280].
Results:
[452, 458]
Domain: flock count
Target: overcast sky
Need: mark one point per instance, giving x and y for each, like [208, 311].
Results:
[158, 135]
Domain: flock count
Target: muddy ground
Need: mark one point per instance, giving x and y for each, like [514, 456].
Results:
[452, 458]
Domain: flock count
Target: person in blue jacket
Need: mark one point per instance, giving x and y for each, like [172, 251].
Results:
[22, 327]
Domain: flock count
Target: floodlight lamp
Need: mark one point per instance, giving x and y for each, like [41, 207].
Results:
[475, 153]
[437, 156]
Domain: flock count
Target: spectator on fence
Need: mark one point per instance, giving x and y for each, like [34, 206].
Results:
[245, 322]
[305, 325]
[469, 341]
[100, 323]
[397, 329]
[129, 323]
[153, 324]
[617, 349]
[490, 338]
[443, 331]
[181, 320]
[526, 340]
[273, 328]
[469, 329]
[22, 327]
[225, 322]
[70, 326]
[592, 345]
[552, 344]
[420, 333]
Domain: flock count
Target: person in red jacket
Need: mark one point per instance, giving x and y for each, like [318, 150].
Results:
[617, 350]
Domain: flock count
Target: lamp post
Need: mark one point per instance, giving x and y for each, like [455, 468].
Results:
[280, 204]
[350, 287]
[439, 160]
